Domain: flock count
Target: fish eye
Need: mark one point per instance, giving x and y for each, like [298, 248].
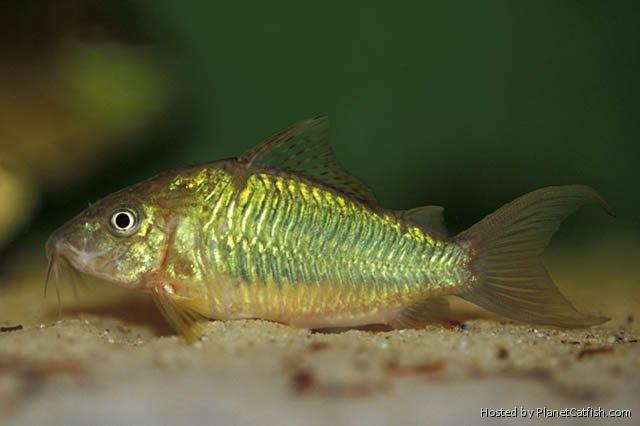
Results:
[124, 221]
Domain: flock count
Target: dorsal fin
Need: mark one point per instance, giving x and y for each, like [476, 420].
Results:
[428, 218]
[304, 149]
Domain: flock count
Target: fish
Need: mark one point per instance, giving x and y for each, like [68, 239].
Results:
[284, 233]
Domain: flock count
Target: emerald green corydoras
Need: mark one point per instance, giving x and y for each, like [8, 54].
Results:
[284, 233]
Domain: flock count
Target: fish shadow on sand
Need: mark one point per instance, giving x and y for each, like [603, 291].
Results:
[134, 311]
[454, 323]
[139, 311]
[460, 313]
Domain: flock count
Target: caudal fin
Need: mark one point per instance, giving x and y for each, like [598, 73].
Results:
[509, 278]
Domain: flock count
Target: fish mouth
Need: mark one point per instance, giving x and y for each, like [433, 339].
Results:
[61, 253]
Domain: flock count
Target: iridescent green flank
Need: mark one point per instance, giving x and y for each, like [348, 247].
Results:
[287, 247]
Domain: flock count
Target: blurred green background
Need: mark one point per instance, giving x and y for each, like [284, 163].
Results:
[463, 104]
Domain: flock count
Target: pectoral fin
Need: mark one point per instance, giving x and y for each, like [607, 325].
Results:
[418, 314]
[187, 316]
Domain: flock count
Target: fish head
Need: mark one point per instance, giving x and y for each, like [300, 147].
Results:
[119, 239]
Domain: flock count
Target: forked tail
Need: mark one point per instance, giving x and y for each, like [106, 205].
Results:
[509, 278]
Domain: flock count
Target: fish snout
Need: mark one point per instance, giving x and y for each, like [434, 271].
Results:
[65, 247]
[60, 246]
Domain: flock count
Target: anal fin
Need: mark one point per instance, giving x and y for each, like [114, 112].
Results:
[418, 314]
[187, 316]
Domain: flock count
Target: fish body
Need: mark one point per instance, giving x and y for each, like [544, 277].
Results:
[283, 233]
[291, 250]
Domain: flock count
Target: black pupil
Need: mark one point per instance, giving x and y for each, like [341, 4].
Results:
[123, 221]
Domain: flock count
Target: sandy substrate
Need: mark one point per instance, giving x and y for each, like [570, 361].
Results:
[111, 359]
